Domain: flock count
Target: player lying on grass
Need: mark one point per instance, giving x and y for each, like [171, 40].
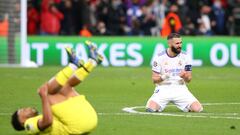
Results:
[64, 110]
[171, 70]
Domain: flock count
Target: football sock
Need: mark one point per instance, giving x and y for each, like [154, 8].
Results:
[83, 72]
[63, 75]
[90, 65]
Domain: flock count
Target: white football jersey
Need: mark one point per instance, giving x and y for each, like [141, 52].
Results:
[165, 64]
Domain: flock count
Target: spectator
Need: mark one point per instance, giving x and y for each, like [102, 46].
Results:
[92, 4]
[148, 19]
[159, 9]
[182, 11]
[220, 18]
[33, 19]
[50, 18]
[131, 17]
[101, 29]
[85, 32]
[172, 22]
[103, 10]
[134, 12]
[116, 18]
[234, 18]
[4, 25]
[68, 24]
[136, 30]
[189, 27]
[193, 10]
[205, 21]
[82, 14]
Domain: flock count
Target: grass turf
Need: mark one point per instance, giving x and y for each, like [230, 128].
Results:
[111, 89]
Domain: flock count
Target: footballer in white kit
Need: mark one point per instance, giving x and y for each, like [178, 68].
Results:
[171, 70]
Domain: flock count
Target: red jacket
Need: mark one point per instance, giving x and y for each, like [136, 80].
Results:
[50, 20]
[32, 22]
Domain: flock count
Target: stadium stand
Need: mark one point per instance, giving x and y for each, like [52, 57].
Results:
[134, 17]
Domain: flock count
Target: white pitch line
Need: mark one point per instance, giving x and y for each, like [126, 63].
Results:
[213, 104]
[132, 111]
[199, 115]
[168, 114]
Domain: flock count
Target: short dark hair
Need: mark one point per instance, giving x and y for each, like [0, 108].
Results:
[15, 122]
[173, 35]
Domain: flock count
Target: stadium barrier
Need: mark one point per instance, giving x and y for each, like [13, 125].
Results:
[133, 51]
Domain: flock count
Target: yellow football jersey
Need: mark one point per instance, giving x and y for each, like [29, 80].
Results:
[57, 128]
[77, 114]
[73, 116]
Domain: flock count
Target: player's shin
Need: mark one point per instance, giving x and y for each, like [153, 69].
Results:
[81, 73]
[63, 75]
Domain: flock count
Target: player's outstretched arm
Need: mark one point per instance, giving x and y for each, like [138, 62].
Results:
[47, 118]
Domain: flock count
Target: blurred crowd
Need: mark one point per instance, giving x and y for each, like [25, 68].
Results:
[133, 17]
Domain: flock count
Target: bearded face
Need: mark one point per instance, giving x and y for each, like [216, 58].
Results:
[176, 45]
[176, 50]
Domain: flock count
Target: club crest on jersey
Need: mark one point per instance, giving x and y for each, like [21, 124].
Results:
[154, 63]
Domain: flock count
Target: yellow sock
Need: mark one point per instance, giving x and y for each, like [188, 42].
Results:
[90, 65]
[83, 72]
[63, 75]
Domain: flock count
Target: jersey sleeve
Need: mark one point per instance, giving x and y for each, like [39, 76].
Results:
[156, 67]
[188, 63]
[31, 125]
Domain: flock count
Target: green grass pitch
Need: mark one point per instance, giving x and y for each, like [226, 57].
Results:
[111, 89]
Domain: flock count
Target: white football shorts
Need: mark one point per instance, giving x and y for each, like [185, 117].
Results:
[177, 94]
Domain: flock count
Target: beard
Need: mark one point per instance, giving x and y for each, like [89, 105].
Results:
[176, 50]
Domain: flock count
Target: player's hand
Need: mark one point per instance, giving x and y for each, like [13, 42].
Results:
[186, 75]
[165, 76]
[183, 74]
[43, 90]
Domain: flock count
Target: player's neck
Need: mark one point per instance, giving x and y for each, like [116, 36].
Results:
[171, 53]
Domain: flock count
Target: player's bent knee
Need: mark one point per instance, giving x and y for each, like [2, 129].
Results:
[152, 106]
[196, 107]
